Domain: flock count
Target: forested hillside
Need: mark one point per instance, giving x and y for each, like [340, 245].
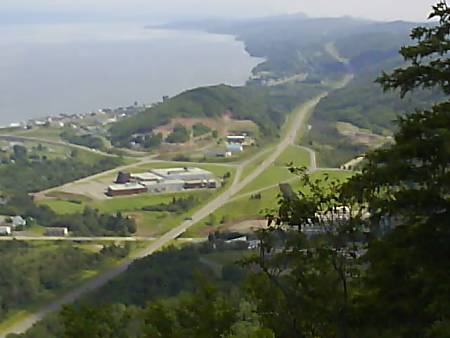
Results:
[30, 273]
[24, 171]
[363, 103]
[166, 278]
[291, 45]
[266, 106]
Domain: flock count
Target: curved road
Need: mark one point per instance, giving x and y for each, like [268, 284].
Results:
[289, 139]
[20, 138]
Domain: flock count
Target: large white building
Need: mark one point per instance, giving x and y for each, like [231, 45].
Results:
[163, 180]
[146, 177]
[184, 174]
[165, 186]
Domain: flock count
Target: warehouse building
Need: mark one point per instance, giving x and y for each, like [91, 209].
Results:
[162, 180]
[165, 186]
[146, 177]
[126, 189]
[200, 184]
[185, 174]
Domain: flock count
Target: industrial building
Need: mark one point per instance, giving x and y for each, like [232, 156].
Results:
[145, 177]
[185, 174]
[200, 184]
[126, 189]
[165, 186]
[162, 180]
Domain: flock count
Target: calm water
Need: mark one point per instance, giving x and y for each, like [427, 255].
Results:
[47, 70]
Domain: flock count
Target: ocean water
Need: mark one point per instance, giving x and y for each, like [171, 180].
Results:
[51, 69]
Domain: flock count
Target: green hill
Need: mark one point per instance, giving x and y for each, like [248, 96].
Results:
[364, 105]
[265, 106]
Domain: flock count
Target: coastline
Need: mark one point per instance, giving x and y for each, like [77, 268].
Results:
[197, 35]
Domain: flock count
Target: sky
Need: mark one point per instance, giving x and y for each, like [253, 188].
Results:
[165, 10]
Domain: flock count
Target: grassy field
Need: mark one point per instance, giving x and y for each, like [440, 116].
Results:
[241, 209]
[339, 175]
[138, 202]
[49, 133]
[149, 223]
[63, 207]
[257, 160]
[278, 172]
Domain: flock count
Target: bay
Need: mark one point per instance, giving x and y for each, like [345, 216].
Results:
[46, 70]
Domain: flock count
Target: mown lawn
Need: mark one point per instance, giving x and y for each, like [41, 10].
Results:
[243, 208]
[63, 207]
[49, 133]
[279, 171]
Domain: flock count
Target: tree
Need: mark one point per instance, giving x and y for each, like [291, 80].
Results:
[179, 135]
[20, 152]
[152, 141]
[408, 184]
[200, 129]
[109, 321]
[307, 278]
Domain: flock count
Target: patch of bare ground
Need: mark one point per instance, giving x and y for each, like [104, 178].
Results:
[361, 136]
[223, 125]
[242, 226]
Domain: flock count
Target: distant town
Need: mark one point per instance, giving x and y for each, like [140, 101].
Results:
[89, 121]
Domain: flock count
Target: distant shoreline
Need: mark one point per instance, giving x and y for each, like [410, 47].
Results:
[235, 59]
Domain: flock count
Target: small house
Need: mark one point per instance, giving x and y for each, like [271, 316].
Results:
[18, 221]
[56, 232]
[5, 230]
[238, 139]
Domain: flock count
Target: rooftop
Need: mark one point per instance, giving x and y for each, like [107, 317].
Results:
[147, 176]
[127, 186]
[238, 137]
[171, 182]
[177, 171]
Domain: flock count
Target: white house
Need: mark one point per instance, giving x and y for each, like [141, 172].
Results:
[5, 230]
[18, 221]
